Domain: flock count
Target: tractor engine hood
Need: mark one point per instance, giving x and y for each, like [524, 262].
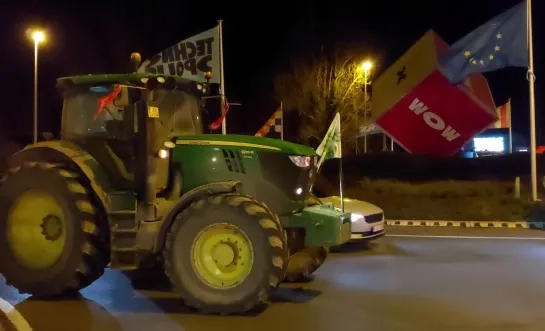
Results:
[250, 142]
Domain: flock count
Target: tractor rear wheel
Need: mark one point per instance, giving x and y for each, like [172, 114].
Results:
[54, 240]
[304, 261]
[225, 253]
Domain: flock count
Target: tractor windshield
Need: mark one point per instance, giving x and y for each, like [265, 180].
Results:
[97, 111]
[179, 112]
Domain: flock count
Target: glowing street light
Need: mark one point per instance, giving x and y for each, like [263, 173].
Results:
[366, 66]
[38, 36]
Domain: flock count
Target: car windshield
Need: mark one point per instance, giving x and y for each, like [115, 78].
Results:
[94, 112]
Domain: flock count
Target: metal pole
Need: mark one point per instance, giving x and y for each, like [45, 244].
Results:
[531, 79]
[510, 140]
[35, 130]
[222, 78]
[282, 117]
[364, 110]
[510, 129]
[341, 190]
[516, 194]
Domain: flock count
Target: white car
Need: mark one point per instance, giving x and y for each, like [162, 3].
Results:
[367, 219]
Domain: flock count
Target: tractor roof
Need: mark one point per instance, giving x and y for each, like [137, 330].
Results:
[132, 78]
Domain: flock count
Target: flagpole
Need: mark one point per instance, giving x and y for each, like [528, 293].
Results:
[341, 176]
[222, 78]
[282, 117]
[531, 79]
[510, 129]
[341, 180]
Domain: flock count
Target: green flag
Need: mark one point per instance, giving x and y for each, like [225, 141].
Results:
[331, 145]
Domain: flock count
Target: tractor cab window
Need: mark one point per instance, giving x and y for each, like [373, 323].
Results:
[102, 111]
[179, 112]
[90, 112]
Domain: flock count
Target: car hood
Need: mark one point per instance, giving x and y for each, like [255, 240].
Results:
[353, 205]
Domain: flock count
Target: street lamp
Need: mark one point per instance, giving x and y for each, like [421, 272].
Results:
[366, 67]
[38, 37]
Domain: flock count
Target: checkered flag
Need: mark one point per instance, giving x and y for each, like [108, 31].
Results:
[275, 122]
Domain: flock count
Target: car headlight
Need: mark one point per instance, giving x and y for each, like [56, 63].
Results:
[355, 217]
[300, 161]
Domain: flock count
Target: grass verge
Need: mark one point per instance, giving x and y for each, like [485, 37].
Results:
[439, 200]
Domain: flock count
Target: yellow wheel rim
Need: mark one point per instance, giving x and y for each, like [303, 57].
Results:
[36, 230]
[222, 255]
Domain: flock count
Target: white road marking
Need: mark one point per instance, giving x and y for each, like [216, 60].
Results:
[14, 316]
[465, 237]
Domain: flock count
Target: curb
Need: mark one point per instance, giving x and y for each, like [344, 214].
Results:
[470, 224]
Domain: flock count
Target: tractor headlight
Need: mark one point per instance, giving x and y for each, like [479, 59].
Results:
[300, 161]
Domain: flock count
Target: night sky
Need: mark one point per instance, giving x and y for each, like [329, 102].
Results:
[98, 37]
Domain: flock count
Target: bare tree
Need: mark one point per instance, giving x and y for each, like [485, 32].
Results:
[320, 88]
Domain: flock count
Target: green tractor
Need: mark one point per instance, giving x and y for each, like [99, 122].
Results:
[133, 183]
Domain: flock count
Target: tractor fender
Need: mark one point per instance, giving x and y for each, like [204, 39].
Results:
[61, 151]
[185, 200]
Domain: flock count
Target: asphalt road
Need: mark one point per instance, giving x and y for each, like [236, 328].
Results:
[401, 283]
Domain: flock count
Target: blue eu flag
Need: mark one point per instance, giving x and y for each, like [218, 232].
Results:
[499, 43]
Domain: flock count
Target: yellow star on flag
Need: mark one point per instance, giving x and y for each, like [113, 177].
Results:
[467, 53]
[498, 36]
[491, 57]
[497, 48]
[474, 61]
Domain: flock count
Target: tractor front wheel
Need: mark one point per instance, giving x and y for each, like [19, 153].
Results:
[53, 238]
[225, 253]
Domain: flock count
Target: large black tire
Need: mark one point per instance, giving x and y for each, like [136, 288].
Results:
[263, 231]
[86, 251]
[305, 261]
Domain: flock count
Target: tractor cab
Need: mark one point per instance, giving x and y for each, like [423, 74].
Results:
[101, 115]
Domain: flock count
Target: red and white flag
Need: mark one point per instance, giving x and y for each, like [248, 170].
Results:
[504, 116]
[217, 123]
[275, 122]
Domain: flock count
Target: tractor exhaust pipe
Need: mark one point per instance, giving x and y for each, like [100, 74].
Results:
[146, 160]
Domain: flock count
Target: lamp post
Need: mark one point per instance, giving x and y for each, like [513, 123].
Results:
[38, 37]
[366, 67]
